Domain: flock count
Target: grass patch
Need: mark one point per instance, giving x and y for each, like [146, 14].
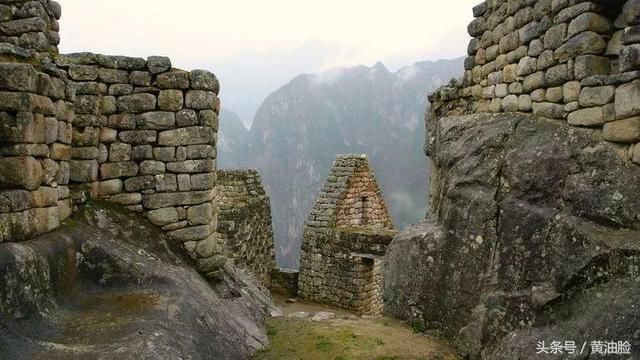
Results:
[363, 339]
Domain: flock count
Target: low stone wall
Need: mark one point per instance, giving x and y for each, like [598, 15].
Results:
[576, 61]
[285, 282]
[36, 110]
[245, 234]
[344, 239]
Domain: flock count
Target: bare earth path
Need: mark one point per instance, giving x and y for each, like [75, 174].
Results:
[346, 337]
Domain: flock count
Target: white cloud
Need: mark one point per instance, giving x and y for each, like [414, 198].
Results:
[213, 33]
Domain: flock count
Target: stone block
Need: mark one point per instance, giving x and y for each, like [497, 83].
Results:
[109, 105]
[157, 201]
[625, 131]
[627, 101]
[202, 181]
[557, 75]
[584, 43]
[110, 187]
[554, 94]
[120, 89]
[83, 72]
[113, 76]
[83, 171]
[152, 167]
[64, 171]
[44, 197]
[139, 183]
[587, 65]
[87, 136]
[587, 117]
[87, 120]
[175, 79]
[200, 99]
[184, 182]
[187, 136]
[555, 36]
[597, 96]
[548, 110]
[138, 137]
[23, 172]
[165, 154]
[65, 133]
[158, 64]
[122, 121]
[156, 120]
[140, 78]
[194, 233]
[200, 214]
[630, 58]
[18, 77]
[136, 103]
[170, 100]
[589, 22]
[534, 81]
[60, 152]
[163, 216]
[15, 200]
[142, 152]
[200, 152]
[118, 169]
[166, 183]
[119, 152]
[192, 166]
[186, 117]
[23, 127]
[108, 135]
[204, 80]
[126, 198]
[50, 130]
[85, 153]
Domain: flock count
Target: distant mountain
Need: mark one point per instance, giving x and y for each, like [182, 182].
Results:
[232, 141]
[300, 128]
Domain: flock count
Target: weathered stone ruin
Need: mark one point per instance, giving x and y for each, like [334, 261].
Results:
[81, 128]
[534, 228]
[132, 131]
[344, 239]
[245, 234]
[577, 61]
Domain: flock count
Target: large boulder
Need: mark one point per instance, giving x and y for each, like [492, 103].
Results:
[109, 285]
[533, 235]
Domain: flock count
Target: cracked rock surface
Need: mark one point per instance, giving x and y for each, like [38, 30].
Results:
[533, 234]
[109, 285]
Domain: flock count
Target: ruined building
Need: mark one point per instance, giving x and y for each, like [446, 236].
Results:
[344, 238]
[80, 129]
[135, 132]
[534, 229]
[245, 233]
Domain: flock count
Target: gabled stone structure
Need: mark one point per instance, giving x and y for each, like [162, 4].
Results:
[344, 238]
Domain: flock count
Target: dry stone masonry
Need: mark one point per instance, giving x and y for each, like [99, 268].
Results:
[571, 60]
[245, 234]
[36, 110]
[344, 238]
[132, 131]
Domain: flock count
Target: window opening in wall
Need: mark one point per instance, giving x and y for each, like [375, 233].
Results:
[362, 212]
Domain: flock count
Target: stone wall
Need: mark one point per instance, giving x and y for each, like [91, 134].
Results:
[344, 238]
[133, 131]
[245, 233]
[285, 282]
[36, 110]
[575, 61]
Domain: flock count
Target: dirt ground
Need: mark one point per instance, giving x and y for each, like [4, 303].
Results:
[346, 337]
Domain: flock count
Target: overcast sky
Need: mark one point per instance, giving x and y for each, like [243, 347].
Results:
[256, 46]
